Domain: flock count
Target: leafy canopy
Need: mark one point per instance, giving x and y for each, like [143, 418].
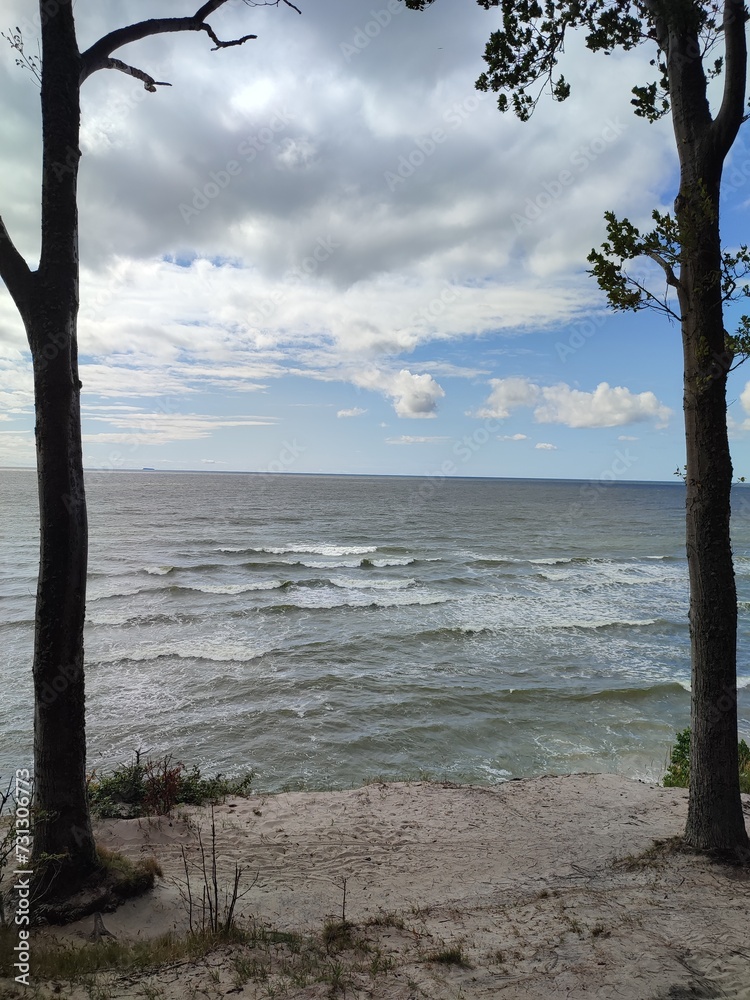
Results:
[522, 58]
[523, 54]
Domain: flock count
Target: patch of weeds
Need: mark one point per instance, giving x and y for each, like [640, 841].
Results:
[599, 930]
[130, 878]
[678, 770]
[337, 935]
[247, 968]
[450, 955]
[380, 963]
[149, 786]
[335, 976]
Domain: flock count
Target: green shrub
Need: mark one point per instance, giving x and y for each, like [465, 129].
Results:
[678, 772]
[155, 787]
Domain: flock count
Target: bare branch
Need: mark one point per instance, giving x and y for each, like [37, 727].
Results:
[672, 279]
[729, 118]
[97, 56]
[148, 81]
[14, 271]
[225, 45]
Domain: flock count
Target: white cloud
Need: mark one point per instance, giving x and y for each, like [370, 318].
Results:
[414, 439]
[509, 394]
[141, 428]
[545, 446]
[606, 406]
[356, 411]
[513, 437]
[414, 396]
[626, 437]
[745, 398]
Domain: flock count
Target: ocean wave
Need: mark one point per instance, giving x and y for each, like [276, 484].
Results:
[234, 588]
[159, 570]
[218, 653]
[305, 548]
[106, 594]
[383, 563]
[311, 600]
[350, 584]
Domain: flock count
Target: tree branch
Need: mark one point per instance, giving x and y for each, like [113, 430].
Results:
[672, 278]
[148, 81]
[729, 117]
[14, 270]
[98, 55]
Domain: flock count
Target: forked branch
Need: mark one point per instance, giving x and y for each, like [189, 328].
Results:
[99, 55]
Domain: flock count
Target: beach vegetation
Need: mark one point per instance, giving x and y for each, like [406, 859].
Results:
[147, 787]
[450, 955]
[678, 771]
[679, 269]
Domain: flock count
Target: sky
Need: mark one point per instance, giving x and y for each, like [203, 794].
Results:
[325, 251]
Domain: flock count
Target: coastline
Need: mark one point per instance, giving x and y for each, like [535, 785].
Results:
[548, 887]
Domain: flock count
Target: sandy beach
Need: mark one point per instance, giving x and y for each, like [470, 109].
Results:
[533, 889]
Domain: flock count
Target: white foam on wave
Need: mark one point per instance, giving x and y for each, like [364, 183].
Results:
[320, 550]
[233, 588]
[551, 561]
[359, 584]
[381, 563]
[312, 564]
[325, 600]
[221, 652]
[159, 570]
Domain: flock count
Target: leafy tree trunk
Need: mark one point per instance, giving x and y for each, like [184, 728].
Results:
[63, 826]
[715, 818]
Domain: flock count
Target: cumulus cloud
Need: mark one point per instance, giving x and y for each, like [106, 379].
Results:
[509, 394]
[545, 446]
[513, 437]
[355, 411]
[606, 406]
[413, 396]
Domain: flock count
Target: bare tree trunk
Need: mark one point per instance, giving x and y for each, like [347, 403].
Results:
[715, 817]
[62, 827]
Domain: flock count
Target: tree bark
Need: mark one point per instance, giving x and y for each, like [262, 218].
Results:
[62, 825]
[715, 817]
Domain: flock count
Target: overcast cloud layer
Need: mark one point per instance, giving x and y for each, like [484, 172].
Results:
[327, 234]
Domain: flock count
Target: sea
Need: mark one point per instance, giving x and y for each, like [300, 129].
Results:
[323, 631]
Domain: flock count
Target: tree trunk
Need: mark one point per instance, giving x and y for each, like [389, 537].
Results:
[715, 818]
[62, 825]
